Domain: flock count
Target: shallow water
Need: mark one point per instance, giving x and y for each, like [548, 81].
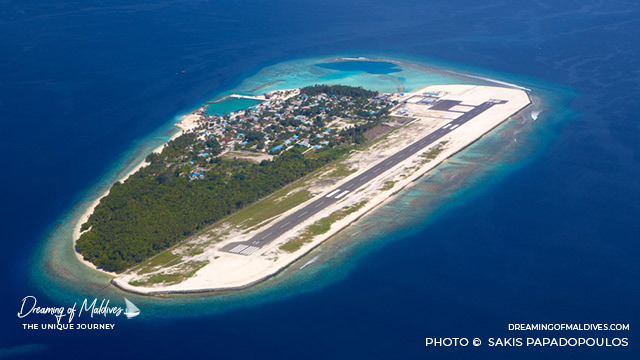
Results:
[537, 223]
[67, 273]
[230, 105]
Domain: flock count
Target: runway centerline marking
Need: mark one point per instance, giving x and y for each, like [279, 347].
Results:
[276, 230]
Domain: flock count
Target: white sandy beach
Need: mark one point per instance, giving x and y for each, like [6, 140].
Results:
[187, 123]
[226, 271]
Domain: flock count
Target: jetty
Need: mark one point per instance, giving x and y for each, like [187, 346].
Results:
[238, 96]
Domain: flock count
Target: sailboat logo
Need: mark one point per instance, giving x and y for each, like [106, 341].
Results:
[132, 310]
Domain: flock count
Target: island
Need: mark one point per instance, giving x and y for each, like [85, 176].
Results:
[234, 199]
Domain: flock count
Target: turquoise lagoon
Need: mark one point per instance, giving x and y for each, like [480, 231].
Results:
[57, 271]
[230, 105]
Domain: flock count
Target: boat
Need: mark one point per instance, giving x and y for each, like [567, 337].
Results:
[310, 262]
[132, 310]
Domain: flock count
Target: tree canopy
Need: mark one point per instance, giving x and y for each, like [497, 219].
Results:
[153, 210]
[338, 90]
[186, 187]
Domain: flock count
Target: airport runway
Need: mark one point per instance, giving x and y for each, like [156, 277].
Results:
[274, 231]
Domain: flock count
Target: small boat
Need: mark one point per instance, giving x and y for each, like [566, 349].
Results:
[132, 310]
[309, 262]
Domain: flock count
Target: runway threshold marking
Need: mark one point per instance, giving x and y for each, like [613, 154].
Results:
[244, 249]
[342, 194]
[249, 250]
[238, 248]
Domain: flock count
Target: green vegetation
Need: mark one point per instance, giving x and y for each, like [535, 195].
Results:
[320, 227]
[433, 152]
[155, 208]
[339, 90]
[304, 120]
[388, 185]
[269, 208]
[186, 187]
[163, 259]
[342, 170]
[183, 272]
[254, 215]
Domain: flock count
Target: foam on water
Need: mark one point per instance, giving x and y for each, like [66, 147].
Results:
[66, 279]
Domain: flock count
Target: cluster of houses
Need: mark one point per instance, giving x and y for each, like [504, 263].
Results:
[286, 120]
[282, 122]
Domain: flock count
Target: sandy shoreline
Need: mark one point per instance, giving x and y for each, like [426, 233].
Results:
[185, 124]
[232, 272]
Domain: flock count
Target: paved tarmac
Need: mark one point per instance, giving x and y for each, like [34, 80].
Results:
[276, 230]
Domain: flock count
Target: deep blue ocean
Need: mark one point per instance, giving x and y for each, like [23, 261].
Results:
[553, 237]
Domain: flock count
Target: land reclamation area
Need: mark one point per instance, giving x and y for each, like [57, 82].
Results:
[221, 164]
[232, 253]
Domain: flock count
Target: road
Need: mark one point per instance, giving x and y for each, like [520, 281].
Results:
[276, 230]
